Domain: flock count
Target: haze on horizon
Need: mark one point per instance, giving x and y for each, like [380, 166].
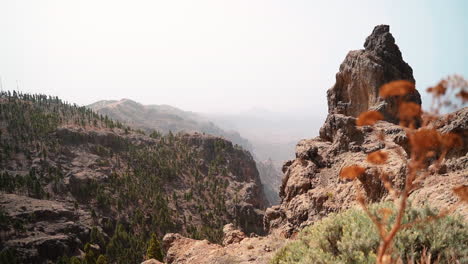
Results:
[216, 56]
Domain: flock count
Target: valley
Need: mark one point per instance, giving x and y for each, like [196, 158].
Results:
[117, 181]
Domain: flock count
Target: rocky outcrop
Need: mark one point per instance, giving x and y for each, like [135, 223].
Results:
[312, 188]
[232, 235]
[44, 229]
[363, 72]
[182, 250]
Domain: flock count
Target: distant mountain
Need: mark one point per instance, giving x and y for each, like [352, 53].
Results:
[273, 134]
[163, 118]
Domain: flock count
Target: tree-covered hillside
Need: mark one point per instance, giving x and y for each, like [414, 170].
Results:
[72, 180]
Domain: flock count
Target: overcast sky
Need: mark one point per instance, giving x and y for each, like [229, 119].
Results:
[216, 55]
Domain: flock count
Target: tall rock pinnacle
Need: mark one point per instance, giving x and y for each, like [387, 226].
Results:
[363, 72]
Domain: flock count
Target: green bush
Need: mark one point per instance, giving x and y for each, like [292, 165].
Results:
[351, 237]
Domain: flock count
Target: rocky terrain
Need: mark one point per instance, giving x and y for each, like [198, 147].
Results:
[75, 183]
[311, 187]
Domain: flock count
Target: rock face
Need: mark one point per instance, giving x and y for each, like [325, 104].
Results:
[246, 200]
[363, 72]
[49, 229]
[271, 180]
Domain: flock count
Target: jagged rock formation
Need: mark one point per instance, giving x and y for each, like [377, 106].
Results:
[363, 72]
[69, 177]
[311, 186]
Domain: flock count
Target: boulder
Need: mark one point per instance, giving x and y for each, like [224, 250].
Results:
[232, 235]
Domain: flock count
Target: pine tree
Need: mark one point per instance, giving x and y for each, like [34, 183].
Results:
[154, 249]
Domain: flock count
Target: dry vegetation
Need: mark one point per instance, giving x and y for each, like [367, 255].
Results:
[428, 147]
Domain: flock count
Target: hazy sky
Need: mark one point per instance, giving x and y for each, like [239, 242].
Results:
[216, 55]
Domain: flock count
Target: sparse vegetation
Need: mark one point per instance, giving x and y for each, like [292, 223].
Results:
[351, 237]
[428, 148]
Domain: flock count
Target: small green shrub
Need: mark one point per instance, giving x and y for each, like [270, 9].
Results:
[351, 237]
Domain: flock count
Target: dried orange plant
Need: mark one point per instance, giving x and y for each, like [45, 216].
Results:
[428, 149]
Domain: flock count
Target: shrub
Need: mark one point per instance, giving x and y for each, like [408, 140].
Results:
[428, 147]
[351, 237]
[102, 260]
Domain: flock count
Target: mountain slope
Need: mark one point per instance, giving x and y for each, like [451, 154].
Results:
[72, 180]
[166, 118]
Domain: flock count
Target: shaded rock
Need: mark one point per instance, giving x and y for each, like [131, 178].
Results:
[270, 175]
[44, 230]
[247, 217]
[232, 235]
